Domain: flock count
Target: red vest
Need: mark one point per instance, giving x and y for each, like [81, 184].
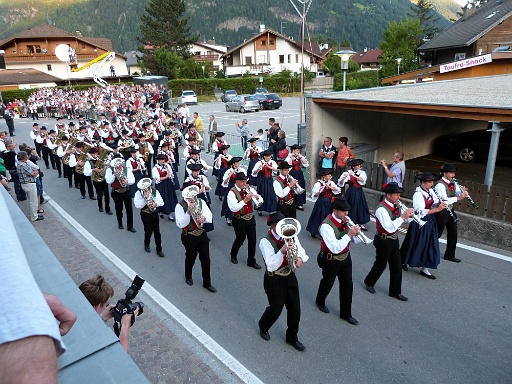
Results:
[253, 155]
[296, 164]
[284, 183]
[394, 213]
[353, 182]
[340, 230]
[277, 245]
[192, 224]
[240, 195]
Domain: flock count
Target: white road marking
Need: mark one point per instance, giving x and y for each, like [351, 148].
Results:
[202, 337]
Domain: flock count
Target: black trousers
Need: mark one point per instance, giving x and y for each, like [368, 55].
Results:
[443, 219]
[343, 271]
[244, 229]
[102, 192]
[282, 291]
[10, 126]
[287, 210]
[38, 148]
[20, 193]
[151, 223]
[58, 164]
[82, 180]
[70, 173]
[197, 245]
[387, 252]
[47, 154]
[126, 199]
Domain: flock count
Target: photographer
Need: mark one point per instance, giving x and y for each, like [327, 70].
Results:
[98, 292]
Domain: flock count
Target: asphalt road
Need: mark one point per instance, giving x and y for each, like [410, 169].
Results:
[455, 329]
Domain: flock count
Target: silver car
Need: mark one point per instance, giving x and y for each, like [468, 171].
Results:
[243, 103]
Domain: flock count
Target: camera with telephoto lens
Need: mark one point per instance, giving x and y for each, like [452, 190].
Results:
[126, 306]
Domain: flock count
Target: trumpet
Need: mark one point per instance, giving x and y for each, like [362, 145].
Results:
[469, 197]
[361, 236]
[256, 199]
[447, 208]
[297, 189]
[288, 228]
[404, 208]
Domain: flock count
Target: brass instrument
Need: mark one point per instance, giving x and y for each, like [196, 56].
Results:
[447, 208]
[361, 236]
[403, 208]
[288, 228]
[145, 152]
[83, 157]
[118, 166]
[125, 144]
[102, 157]
[462, 189]
[60, 134]
[146, 190]
[256, 199]
[298, 189]
[71, 148]
[194, 209]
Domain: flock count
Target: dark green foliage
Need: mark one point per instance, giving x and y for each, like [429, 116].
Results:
[357, 80]
[424, 11]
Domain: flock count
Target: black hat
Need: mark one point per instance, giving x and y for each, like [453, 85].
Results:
[284, 165]
[266, 153]
[426, 176]
[191, 138]
[194, 151]
[325, 171]
[274, 218]
[58, 118]
[80, 144]
[43, 127]
[35, 125]
[392, 188]
[65, 138]
[240, 176]
[124, 132]
[164, 144]
[102, 114]
[93, 122]
[354, 162]
[52, 131]
[296, 146]
[93, 150]
[133, 149]
[225, 146]
[219, 134]
[194, 166]
[340, 203]
[106, 123]
[449, 167]
[113, 145]
[186, 184]
[80, 116]
[234, 160]
[161, 156]
[146, 124]
[166, 133]
[71, 124]
[252, 139]
[141, 135]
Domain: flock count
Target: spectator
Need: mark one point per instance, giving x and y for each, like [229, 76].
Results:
[27, 177]
[8, 116]
[396, 172]
[198, 122]
[344, 155]
[327, 153]
[9, 157]
[261, 139]
[212, 130]
[243, 130]
[273, 136]
[280, 146]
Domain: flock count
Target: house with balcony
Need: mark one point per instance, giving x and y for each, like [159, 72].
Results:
[271, 52]
[209, 51]
[368, 59]
[35, 48]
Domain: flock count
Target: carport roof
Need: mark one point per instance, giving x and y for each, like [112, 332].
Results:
[482, 98]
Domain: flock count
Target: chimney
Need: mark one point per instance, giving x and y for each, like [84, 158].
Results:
[78, 33]
[262, 27]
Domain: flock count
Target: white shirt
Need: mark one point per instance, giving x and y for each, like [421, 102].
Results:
[248, 151]
[235, 205]
[304, 162]
[183, 218]
[218, 160]
[110, 177]
[88, 167]
[418, 202]
[362, 174]
[259, 165]
[229, 172]
[192, 161]
[389, 225]
[140, 202]
[330, 240]
[141, 165]
[318, 186]
[274, 260]
[441, 191]
[280, 191]
[200, 179]
[165, 167]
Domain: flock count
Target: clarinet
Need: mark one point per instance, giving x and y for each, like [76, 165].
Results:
[447, 208]
[469, 197]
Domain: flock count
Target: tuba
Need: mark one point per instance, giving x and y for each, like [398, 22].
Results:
[146, 190]
[71, 147]
[102, 157]
[194, 209]
[60, 134]
[288, 228]
[403, 208]
[118, 166]
[361, 236]
[83, 157]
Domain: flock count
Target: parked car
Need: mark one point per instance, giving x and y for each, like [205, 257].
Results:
[261, 90]
[474, 145]
[228, 94]
[260, 97]
[243, 103]
[271, 101]
[188, 97]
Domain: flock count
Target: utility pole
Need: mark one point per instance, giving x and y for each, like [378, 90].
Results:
[283, 22]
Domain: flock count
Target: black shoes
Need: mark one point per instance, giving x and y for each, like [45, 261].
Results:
[399, 297]
[160, 253]
[132, 230]
[60, 176]
[452, 259]
[109, 212]
[431, 277]
[313, 236]
[120, 226]
[254, 265]
[234, 260]
[323, 308]
[297, 345]
[92, 198]
[350, 320]
[39, 218]
[260, 213]
[369, 288]
[147, 249]
[300, 208]
[211, 288]
[189, 281]
[83, 197]
[264, 335]
[70, 186]
[100, 209]
[404, 267]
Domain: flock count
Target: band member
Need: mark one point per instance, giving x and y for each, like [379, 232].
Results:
[192, 144]
[356, 178]
[54, 145]
[217, 145]
[34, 133]
[263, 170]
[221, 164]
[77, 161]
[449, 192]
[125, 144]
[148, 199]
[109, 134]
[60, 152]
[297, 161]
[194, 159]
[101, 187]
[240, 202]
[228, 182]
[334, 258]
[323, 191]
[280, 282]
[44, 140]
[420, 247]
[253, 155]
[283, 188]
[201, 181]
[164, 180]
[136, 164]
[120, 177]
[191, 215]
[146, 151]
[388, 220]
[82, 134]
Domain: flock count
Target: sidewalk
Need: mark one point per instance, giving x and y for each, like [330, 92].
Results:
[164, 352]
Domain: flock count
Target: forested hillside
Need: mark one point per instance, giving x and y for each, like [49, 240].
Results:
[228, 21]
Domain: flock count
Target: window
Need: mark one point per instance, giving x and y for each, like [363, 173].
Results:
[197, 53]
[289, 58]
[49, 67]
[296, 57]
[14, 50]
[271, 42]
[263, 42]
[31, 49]
[83, 46]
[460, 56]
[281, 59]
[248, 60]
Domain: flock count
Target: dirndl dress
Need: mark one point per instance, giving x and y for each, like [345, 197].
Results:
[321, 209]
[166, 189]
[300, 200]
[420, 247]
[266, 190]
[225, 211]
[219, 189]
[133, 188]
[359, 212]
[253, 159]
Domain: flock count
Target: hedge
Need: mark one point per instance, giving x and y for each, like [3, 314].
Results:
[357, 80]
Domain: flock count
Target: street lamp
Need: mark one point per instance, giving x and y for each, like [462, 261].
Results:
[345, 55]
[202, 66]
[399, 60]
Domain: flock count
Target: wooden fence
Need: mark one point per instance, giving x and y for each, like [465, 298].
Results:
[495, 204]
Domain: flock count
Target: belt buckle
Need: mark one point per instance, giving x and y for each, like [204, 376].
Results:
[271, 274]
[384, 236]
[328, 256]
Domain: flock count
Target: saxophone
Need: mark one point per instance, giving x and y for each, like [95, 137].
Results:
[102, 157]
[146, 189]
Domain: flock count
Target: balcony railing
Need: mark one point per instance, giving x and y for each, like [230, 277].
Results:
[206, 57]
[43, 57]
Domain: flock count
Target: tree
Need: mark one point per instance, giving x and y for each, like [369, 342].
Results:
[401, 40]
[424, 11]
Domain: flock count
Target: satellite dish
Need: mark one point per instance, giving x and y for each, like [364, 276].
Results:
[62, 52]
